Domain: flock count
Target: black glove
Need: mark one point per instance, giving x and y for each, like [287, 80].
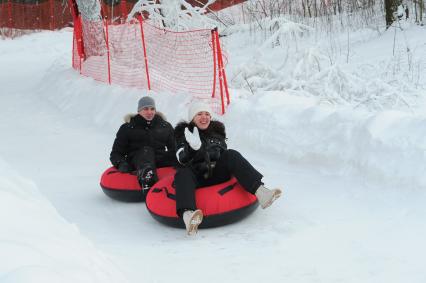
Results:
[124, 167]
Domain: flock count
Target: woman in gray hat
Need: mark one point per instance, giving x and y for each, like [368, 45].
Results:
[143, 143]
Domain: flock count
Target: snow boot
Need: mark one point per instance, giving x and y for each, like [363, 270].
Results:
[147, 177]
[266, 196]
[192, 219]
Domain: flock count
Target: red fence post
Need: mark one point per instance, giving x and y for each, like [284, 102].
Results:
[74, 9]
[9, 13]
[225, 81]
[78, 31]
[108, 53]
[52, 15]
[214, 60]
[144, 52]
[123, 10]
[36, 10]
[221, 71]
[103, 13]
[222, 74]
[73, 50]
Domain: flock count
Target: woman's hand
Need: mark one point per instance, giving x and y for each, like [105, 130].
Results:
[193, 138]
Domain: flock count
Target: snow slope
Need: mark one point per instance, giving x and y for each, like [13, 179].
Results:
[354, 185]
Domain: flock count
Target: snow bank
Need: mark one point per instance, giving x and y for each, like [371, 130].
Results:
[38, 245]
[386, 146]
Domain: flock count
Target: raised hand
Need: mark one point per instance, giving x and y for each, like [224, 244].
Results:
[193, 138]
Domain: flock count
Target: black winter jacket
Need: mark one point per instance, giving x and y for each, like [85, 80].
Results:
[213, 141]
[137, 133]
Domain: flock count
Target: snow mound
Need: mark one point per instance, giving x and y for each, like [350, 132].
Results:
[339, 71]
[388, 146]
[49, 248]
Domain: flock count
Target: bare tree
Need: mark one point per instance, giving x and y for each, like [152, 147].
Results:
[418, 10]
[367, 13]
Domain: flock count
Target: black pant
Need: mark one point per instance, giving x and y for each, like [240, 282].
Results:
[231, 163]
[145, 157]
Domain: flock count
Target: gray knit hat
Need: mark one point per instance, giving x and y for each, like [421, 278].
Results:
[146, 101]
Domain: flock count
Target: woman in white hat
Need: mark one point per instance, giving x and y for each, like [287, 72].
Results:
[202, 149]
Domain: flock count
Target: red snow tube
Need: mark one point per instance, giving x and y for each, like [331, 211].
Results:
[125, 186]
[221, 204]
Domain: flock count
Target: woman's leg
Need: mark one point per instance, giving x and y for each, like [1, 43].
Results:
[185, 184]
[233, 162]
[249, 177]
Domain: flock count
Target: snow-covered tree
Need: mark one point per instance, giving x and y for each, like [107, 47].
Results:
[90, 10]
[177, 15]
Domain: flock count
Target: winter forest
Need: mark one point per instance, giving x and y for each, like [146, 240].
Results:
[327, 102]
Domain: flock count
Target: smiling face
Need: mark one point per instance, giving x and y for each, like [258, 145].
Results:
[202, 120]
[147, 113]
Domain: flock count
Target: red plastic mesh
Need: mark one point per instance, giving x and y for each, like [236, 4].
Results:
[48, 14]
[95, 63]
[186, 62]
[180, 61]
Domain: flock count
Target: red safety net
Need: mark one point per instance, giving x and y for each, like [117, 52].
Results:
[137, 54]
[34, 15]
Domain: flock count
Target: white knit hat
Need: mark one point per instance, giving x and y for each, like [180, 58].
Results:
[197, 107]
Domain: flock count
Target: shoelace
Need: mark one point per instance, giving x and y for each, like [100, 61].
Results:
[196, 220]
[149, 175]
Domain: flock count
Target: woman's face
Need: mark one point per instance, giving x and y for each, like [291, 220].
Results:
[202, 120]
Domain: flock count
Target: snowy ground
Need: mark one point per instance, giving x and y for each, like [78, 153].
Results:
[354, 183]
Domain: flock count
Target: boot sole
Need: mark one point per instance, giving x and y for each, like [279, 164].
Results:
[275, 196]
[196, 220]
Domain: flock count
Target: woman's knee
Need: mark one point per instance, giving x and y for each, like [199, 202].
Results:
[232, 154]
[184, 173]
